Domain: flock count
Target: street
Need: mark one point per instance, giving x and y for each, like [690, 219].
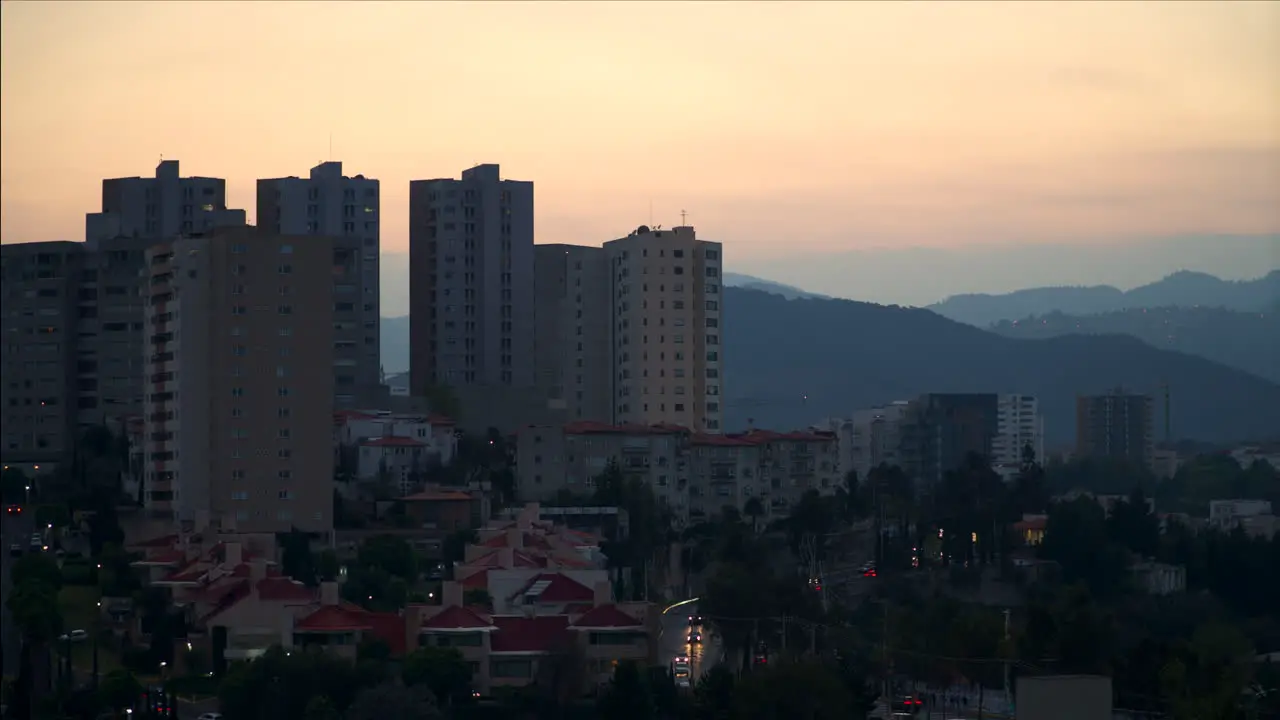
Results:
[16, 529]
[674, 641]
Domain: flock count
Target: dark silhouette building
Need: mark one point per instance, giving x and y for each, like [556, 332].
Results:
[940, 430]
[1117, 426]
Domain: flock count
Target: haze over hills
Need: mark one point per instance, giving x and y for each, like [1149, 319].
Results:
[1181, 289]
[791, 362]
[1249, 341]
[752, 282]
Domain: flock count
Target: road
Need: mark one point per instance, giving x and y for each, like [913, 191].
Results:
[673, 642]
[16, 529]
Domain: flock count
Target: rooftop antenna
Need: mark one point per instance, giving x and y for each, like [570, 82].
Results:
[683, 214]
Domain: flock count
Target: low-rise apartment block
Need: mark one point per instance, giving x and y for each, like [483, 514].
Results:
[694, 474]
[377, 446]
[1226, 515]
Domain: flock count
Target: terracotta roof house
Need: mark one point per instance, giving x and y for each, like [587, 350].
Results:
[506, 649]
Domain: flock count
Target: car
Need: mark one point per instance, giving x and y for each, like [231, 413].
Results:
[36, 540]
[74, 636]
[682, 679]
[907, 703]
[695, 637]
[13, 509]
[695, 621]
[15, 549]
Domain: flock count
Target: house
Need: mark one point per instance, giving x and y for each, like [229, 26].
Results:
[1228, 514]
[514, 648]
[1030, 529]
[377, 445]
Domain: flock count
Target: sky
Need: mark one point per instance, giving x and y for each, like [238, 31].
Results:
[806, 137]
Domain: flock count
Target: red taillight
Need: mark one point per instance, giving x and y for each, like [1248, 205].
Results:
[919, 702]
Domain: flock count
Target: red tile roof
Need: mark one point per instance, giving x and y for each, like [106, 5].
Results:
[521, 634]
[346, 617]
[530, 541]
[342, 416]
[393, 441]
[721, 441]
[606, 617]
[456, 618]
[334, 618]
[476, 581]
[561, 589]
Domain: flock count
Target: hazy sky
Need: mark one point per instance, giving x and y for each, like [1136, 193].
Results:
[819, 128]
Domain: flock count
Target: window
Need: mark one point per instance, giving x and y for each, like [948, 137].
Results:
[237, 249]
[285, 269]
[237, 392]
[286, 249]
[282, 392]
[284, 495]
[285, 332]
[712, 305]
[282, 371]
[239, 350]
[283, 434]
[240, 495]
[284, 454]
[285, 309]
[282, 412]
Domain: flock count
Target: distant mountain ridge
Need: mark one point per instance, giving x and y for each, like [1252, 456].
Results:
[791, 362]
[751, 282]
[1181, 289]
[1248, 341]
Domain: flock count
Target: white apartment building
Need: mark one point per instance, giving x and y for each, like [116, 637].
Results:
[1018, 424]
[868, 438]
[436, 433]
[667, 319]
[348, 210]
[1226, 514]
[695, 474]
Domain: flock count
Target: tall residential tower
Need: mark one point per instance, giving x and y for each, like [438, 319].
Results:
[347, 209]
[471, 294]
[666, 316]
[239, 329]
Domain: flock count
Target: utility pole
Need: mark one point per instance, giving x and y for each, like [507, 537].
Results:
[784, 635]
[884, 647]
[1008, 698]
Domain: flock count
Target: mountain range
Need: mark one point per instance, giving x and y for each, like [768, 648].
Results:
[1181, 289]
[790, 362]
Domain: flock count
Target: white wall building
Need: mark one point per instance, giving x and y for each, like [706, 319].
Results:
[436, 434]
[1018, 424]
[1226, 514]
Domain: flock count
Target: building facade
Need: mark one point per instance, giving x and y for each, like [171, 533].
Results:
[939, 430]
[347, 210]
[39, 396]
[666, 309]
[164, 206]
[239, 394]
[471, 297]
[1019, 425]
[572, 357]
[1116, 426]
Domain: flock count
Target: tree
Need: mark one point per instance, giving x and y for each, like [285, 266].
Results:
[713, 696]
[390, 553]
[34, 606]
[808, 690]
[393, 701]
[754, 509]
[627, 697]
[442, 399]
[280, 686]
[36, 567]
[441, 670]
[14, 486]
[296, 560]
[119, 689]
[321, 707]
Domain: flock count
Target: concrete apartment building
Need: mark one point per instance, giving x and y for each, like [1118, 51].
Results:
[347, 210]
[240, 382]
[666, 329]
[89, 295]
[1116, 426]
[471, 298]
[164, 206]
[695, 474]
[939, 430]
[1019, 425]
[39, 396]
[572, 357]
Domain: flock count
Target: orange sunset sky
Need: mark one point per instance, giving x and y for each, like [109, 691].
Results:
[779, 127]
